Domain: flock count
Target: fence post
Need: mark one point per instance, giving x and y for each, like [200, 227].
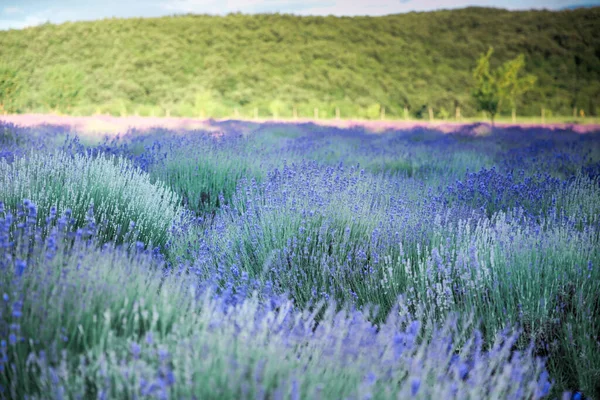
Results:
[236, 114]
[574, 112]
[316, 113]
[382, 113]
[337, 113]
[406, 113]
[543, 115]
[458, 113]
[514, 115]
[295, 113]
[430, 114]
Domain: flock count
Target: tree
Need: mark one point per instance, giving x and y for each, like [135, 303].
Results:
[276, 107]
[373, 111]
[487, 91]
[513, 86]
[205, 103]
[504, 85]
[9, 89]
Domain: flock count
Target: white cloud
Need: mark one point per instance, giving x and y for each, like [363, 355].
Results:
[52, 15]
[385, 7]
[373, 7]
[29, 21]
[12, 10]
[245, 6]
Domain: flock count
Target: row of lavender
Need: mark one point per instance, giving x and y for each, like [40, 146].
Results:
[296, 261]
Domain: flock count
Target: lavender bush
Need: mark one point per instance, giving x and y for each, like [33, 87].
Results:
[301, 261]
[83, 321]
[121, 195]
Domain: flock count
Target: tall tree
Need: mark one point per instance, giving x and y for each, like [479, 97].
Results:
[512, 85]
[487, 90]
[493, 89]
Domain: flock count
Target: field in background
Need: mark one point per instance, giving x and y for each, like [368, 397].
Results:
[114, 125]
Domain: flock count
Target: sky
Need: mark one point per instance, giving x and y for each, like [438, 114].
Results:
[18, 14]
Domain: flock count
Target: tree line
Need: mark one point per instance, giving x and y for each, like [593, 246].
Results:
[271, 64]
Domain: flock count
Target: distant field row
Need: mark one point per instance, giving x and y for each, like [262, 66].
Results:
[109, 124]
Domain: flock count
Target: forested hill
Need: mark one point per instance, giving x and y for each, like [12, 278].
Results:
[195, 64]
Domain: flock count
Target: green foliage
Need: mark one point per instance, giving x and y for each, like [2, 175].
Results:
[276, 107]
[373, 111]
[487, 90]
[419, 60]
[513, 86]
[504, 85]
[9, 89]
[444, 114]
[62, 87]
[205, 103]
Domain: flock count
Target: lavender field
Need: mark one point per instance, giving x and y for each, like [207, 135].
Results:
[241, 260]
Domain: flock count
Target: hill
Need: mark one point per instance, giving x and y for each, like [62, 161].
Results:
[199, 64]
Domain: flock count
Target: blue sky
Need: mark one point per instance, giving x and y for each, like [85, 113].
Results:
[17, 14]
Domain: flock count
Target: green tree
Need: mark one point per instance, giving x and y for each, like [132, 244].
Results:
[205, 103]
[486, 94]
[512, 84]
[9, 89]
[503, 85]
[444, 114]
[373, 111]
[276, 107]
